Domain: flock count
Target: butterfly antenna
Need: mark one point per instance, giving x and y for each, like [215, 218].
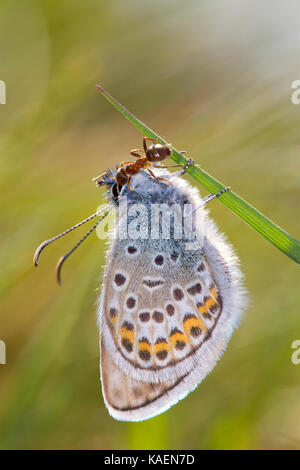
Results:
[64, 257]
[47, 242]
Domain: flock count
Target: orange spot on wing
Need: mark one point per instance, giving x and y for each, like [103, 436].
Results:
[214, 292]
[177, 338]
[161, 347]
[128, 334]
[145, 346]
[210, 302]
[202, 309]
[193, 323]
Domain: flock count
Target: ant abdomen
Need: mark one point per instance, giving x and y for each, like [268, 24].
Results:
[157, 153]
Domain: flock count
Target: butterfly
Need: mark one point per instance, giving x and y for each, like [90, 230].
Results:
[172, 292]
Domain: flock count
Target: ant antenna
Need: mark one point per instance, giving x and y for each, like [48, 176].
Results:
[64, 257]
[47, 242]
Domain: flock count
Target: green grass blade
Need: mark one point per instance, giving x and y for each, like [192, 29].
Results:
[268, 229]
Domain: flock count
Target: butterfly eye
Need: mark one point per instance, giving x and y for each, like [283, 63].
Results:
[115, 191]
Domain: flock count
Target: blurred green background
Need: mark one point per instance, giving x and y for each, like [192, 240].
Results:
[215, 79]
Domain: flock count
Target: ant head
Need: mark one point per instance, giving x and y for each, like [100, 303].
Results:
[121, 176]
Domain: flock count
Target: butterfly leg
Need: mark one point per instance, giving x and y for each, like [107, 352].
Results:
[209, 198]
[213, 196]
[181, 172]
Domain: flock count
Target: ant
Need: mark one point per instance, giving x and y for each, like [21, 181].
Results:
[145, 159]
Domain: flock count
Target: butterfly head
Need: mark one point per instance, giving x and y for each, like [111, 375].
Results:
[113, 186]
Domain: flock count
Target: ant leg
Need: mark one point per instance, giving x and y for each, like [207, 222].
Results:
[158, 177]
[151, 173]
[164, 166]
[145, 142]
[123, 164]
[137, 153]
[186, 166]
[128, 181]
[164, 179]
[178, 173]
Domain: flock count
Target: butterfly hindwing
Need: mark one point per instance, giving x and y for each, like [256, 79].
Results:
[129, 393]
[156, 315]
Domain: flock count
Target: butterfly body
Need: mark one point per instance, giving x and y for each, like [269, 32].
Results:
[169, 304]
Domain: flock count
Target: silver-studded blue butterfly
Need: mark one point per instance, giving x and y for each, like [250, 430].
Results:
[172, 292]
